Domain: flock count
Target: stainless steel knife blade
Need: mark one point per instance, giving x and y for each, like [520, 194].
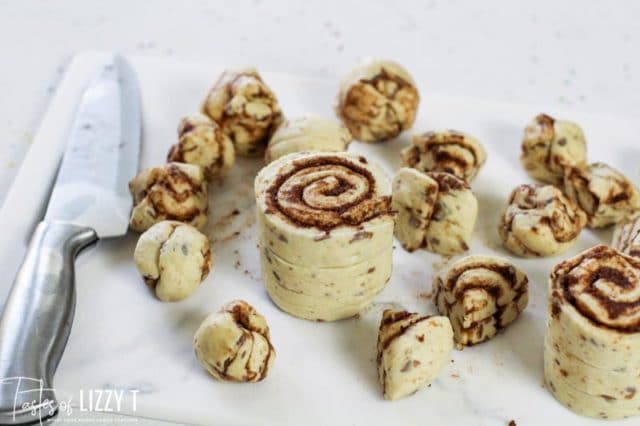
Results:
[102, 154]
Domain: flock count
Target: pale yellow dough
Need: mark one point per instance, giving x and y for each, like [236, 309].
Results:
[377, 101]
[540, 221]
[175, 191]
[173, 258]
[606, 195]
[307, 133]
[592, 342]
[203, 143]
[551, 146]
[448, 151]
[246, 109]
[412, 351]
[436, 211]
[320, 260]
[481, 295]
[233, 344]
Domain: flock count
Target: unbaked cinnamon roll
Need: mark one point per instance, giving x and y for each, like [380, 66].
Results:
[203, 143]
[307, 133]
[550, 146]
[540, 221]
[605, 194]
[245, 108]
[233, 344]
[325, 231]
[436, 211]
[626, 237]
[175, 191]
[377, 101]
[412, 350]
[447, 151]
[481, 295]
[592, 343]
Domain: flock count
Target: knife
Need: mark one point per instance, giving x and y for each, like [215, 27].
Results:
[89, 201]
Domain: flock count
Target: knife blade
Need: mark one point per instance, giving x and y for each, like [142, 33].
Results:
[102, 154]
[89, 200]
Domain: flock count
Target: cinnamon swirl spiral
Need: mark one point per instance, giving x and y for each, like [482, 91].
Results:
[447, 151]
[481, 295]
[326, 233]
[592, 344]
[540, 221]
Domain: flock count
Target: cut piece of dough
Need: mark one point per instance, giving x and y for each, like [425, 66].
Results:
[436, 211]
[447, 151]
[481, 295]
[377, 101]
[412, 350]
[540, 221]
[605, 194]
[551, 146]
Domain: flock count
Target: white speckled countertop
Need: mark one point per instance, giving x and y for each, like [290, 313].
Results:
[578, 54]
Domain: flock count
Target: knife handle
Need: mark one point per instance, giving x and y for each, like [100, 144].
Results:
[36, 321]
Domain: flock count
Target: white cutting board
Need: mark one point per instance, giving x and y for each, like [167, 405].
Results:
[324, 373]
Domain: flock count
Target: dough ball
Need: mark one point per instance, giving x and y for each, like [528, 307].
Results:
[436, 211]
[412, 350]
[175, 191]
[307, 133]
[203, 143]
[377, 101]
[481, 295]
[233, 344]
[173, 258]
[605, 194]
[540, 221]
[447, 151]
[550, 146]
[245, 108]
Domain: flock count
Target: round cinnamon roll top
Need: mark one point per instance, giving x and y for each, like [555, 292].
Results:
[448, 151]
[245, 108]
[325, 191]
[606, 195]
[550, 146]
[203, 143]
[601, 284]
[377, 101]
[540, 221]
